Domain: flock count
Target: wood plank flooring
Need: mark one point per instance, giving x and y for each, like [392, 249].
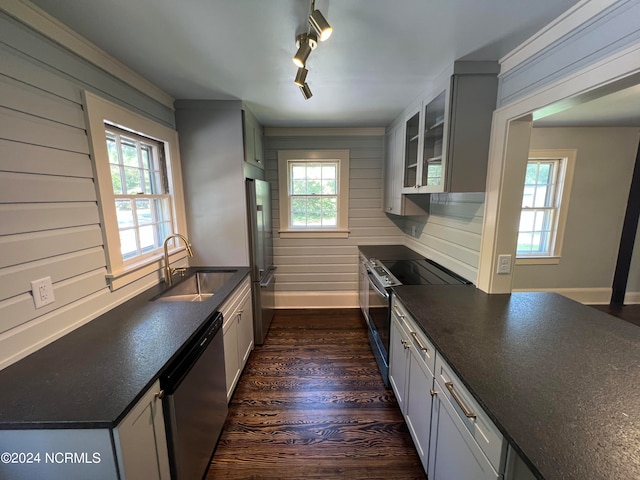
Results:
[628, 313]
[311, 404]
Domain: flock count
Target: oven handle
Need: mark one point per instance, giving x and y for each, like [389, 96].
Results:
[383, 293]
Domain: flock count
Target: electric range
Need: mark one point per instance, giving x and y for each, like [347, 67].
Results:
[384, 274]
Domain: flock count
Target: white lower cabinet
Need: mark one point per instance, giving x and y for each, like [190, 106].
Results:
[141, 441]
[237, 329]
[454, 452]
[411, 376]
[454, 437]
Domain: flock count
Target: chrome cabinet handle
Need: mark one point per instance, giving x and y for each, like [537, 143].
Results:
[433, 392]
[395, 309]
[415, 337]
[160, 395]
[405, 344]
[468, 413]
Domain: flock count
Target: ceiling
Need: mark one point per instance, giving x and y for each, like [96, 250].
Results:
[380, 57]
[615, 105]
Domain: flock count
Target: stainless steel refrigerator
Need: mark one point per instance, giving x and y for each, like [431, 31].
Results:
[261, 256]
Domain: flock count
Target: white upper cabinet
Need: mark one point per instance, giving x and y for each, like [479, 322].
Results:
[394, 201]
[446, 136]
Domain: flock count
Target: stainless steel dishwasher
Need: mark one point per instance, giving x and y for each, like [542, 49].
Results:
[195, 402]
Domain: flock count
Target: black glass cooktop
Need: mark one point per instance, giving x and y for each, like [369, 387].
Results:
[422, 272]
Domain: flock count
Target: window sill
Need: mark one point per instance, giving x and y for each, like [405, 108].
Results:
[537, 260]
[134, 272]
[314, 233]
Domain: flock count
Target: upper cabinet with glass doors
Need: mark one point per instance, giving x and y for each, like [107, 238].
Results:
[447, 137]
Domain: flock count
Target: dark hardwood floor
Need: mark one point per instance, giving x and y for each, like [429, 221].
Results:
[629, 313]
[311, 405]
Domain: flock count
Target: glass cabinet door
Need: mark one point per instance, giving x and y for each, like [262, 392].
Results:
[432, 155]
[412, 135]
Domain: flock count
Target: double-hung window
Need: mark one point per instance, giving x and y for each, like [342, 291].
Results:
[139, 184]
[314, 193]
[141, 192]
[544, 205]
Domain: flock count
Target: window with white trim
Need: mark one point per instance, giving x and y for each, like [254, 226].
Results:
[314, 193]
[139, 184]
[141, 192]
[544, 205]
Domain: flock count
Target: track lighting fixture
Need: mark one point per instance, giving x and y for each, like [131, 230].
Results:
[301, 77]
[319, 24]
[306, 91]
[306, 42]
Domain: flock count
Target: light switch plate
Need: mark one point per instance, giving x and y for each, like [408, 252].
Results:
[42, 290]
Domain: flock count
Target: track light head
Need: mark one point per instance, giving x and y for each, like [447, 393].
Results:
[301, 77]
[305, 43]
[320, 25]
[306, 91]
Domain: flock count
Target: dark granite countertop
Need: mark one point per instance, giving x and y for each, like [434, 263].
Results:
[91, 377]
[561, 380]
[389, 252]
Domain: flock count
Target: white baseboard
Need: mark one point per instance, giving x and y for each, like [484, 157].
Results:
[589, 296]
[316, 300]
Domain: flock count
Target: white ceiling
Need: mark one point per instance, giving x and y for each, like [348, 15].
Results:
[611, 108]
[382, 54]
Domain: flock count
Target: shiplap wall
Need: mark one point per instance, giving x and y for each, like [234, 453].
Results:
[49, 222]
[451, 233]
[324, 272]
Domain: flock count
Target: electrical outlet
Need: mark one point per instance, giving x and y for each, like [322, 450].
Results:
[504, 264]
[42, 291]
[413, 231]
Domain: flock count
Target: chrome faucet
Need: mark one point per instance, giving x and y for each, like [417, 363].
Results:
[168, 269]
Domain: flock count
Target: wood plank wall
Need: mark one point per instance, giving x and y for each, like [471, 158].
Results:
[324, 272]
[49, 222]
[451, 234]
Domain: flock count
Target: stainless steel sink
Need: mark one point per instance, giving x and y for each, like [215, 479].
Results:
[197, 287]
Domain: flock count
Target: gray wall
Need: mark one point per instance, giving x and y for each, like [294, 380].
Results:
[49, 223]
[451, 233]
[212, 156]
[602, 176]
[330, 265]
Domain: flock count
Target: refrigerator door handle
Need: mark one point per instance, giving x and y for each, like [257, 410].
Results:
[270, 275]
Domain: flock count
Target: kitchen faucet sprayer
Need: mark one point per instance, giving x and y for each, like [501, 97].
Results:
[168, 270]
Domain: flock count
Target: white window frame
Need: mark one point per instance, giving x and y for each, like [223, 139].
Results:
[100, 112]
[287, 156]
[564, 182]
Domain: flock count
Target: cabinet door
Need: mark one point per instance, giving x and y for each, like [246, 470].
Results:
[453, 452]
[231, 354]
[141, 440]
[434, 150]
[258, 136]
[418, 405]
[391, 185]
[245, 330]
[398, 361]
[412, 153]
[252, 135]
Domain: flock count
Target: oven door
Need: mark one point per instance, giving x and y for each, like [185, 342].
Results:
[379, 325]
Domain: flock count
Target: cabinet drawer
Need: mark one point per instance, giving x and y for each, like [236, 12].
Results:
[476, 420]
[421, 345]
[233, 302]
